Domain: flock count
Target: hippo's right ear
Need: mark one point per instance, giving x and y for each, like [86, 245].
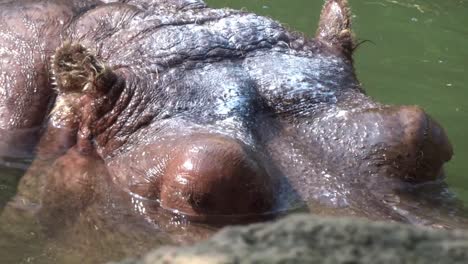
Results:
[335, 26]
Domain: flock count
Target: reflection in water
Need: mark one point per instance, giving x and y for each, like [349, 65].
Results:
[65, 226]
[68, 211]
[9, 177]
[75, 226]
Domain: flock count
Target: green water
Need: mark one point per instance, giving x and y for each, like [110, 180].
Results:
[417, 55]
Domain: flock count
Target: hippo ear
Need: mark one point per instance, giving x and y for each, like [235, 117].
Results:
[76, 70]
[335, 26]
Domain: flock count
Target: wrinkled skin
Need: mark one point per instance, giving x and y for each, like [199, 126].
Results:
[170, 108]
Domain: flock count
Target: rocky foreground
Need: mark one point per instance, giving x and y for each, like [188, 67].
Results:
[309, 239]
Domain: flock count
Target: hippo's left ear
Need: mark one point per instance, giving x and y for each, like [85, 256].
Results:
[86, 90]
[76, 70]
[335, 26]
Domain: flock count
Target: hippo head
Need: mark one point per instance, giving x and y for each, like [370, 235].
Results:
[224, 113]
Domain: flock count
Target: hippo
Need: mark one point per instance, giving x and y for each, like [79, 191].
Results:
[149, 115]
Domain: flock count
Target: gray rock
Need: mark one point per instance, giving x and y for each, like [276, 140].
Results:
[309, 239]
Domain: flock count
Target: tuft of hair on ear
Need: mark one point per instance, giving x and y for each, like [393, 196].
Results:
[75, 69]
[335, 26]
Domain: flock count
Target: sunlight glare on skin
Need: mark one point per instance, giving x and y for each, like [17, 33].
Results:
[188, 165]
[181, 177]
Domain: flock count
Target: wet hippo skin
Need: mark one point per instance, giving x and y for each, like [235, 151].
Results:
[213, 114]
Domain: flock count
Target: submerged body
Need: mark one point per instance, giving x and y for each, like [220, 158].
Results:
[146, 111]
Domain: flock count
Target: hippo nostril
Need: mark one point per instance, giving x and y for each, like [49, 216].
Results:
[213, 175]
[427, 144]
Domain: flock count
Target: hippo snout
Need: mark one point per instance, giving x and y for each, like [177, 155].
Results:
[428, 145]
[213, 175]
[402, 142]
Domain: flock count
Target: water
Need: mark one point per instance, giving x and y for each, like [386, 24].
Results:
[415, 54]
